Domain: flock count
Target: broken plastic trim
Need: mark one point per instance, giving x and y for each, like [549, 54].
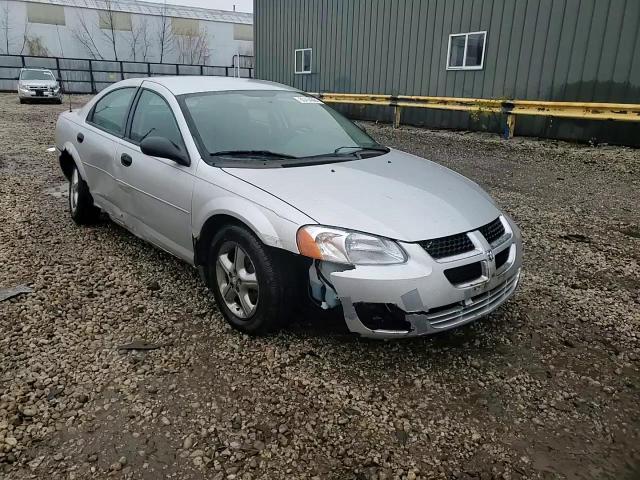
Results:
[321, 289]
[382, 316]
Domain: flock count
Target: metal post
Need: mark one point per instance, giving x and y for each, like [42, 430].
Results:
[58, 68]
[396, 116]
[121, 71]
[201, 71]
[148, 69]
[226, 71]
[93, 83]
[22, 58]
[177, 70]
[510, 126]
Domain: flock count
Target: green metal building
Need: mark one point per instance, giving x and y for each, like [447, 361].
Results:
[561, 50]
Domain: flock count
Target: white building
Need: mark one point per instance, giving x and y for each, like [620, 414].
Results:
[125, 30]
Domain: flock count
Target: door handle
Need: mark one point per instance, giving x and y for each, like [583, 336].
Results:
[126, 160]
[80, 137]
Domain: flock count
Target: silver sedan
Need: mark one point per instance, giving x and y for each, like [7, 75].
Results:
[276, 198]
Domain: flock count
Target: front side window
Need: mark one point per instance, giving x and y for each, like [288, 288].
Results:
[303, 60]
[288, 123]
[110, 112]
[36, 75]
[153, 118]
[466, 51]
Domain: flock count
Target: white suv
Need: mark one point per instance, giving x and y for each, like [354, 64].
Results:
[38, 84]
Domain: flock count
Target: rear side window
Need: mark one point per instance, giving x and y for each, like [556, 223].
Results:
[153, 118]
[110, 113]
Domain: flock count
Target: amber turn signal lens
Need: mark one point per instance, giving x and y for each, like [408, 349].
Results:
[307, 245]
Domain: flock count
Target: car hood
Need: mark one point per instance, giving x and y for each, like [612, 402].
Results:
[396, 195]
[38, 83]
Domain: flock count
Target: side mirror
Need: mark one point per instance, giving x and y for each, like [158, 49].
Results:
[163, 148]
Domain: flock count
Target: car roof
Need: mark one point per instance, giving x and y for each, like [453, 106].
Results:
[183, 84]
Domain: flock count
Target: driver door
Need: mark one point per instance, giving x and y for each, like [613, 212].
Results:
[157, 191]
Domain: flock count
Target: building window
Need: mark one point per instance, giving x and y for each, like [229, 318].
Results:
[466, 51]
[303, 60]
[189, 27]
[110, 20]
[43, 13]
[242, 32]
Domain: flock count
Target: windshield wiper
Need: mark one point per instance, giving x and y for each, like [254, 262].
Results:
[358, 149]
[249, 153]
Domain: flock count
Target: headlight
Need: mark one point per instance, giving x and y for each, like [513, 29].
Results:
[343, 246]
[24, 89]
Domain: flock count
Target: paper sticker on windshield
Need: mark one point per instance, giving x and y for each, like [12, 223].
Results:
[307, 100]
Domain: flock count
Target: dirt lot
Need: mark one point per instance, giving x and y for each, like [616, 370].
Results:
[546, 387]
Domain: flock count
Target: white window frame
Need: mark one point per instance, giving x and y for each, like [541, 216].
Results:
[464, 57]
[295, 60]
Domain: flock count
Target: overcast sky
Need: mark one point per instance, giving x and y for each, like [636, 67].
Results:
[241, 5]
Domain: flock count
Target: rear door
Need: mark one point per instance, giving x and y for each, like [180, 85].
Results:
[96, 144]
[157, 191]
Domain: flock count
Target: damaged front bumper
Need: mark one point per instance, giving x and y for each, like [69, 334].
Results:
[417, 297]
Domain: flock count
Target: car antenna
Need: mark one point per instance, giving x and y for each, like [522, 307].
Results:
[68, 91]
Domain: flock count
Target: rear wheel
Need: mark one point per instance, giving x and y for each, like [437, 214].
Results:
[249, 281]
[81, 207]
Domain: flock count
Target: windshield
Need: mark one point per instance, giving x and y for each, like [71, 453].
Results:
[35, 75]
[282, 124]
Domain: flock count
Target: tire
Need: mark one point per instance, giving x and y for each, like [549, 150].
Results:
[22, 100]
[268, 306]
[81, 207]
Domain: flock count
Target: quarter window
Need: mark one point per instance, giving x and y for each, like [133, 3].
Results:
[466, 51]
[111, 110]
[303, 60]
[153, 118]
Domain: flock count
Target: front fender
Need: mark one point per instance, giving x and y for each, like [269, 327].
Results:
[272, 229]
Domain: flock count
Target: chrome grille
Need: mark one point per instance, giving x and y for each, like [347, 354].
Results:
[448, 246]
[492, 231]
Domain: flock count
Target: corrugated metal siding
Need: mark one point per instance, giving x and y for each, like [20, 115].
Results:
[581, 50]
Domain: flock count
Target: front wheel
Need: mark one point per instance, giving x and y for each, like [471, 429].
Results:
[250, 281]
[81, 207]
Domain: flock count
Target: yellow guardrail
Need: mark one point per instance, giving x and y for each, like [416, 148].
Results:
[625, 112]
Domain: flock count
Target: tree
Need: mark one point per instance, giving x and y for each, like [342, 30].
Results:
[85, 36]
[25, 38]
[5, 27]
[193, 49]
[35, 47]
[166, 39]
[140, 41]
[109, 27]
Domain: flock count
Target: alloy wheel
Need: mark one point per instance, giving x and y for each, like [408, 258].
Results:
[237, 280]
[73, 190]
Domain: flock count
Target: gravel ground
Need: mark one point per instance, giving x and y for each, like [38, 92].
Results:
[546, 387]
